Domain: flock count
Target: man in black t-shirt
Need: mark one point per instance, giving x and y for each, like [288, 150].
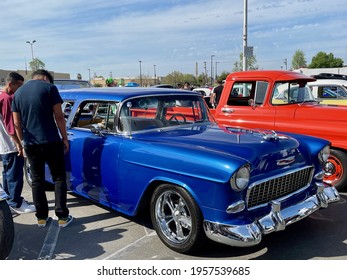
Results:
[216, 93]
[38, 119]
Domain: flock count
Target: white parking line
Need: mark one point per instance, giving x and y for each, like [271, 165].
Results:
[134, 244]
[50, 242]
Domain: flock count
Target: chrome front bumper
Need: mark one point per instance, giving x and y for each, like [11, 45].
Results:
[277, 219]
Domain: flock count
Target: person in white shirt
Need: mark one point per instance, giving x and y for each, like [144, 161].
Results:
[11, 150]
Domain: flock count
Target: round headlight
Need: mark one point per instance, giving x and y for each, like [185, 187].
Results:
[240, 179]
[324, 154]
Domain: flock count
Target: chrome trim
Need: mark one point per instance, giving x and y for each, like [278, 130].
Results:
[236, 207]
[277, 219]
[320, 175]
[275, 177]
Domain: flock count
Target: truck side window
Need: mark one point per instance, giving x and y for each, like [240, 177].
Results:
[240, 94]
[260, 92]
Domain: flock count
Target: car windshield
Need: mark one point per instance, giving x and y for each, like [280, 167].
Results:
[290, 93]
[159, 112]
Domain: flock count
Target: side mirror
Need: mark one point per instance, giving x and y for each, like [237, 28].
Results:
[96, 129]
[252, 103]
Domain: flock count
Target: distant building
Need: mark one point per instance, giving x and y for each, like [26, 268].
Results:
[100, 81]
[316, 71]
[27, 75]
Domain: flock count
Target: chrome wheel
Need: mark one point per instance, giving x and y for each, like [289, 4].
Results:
[177, 218]
[335, 170]
[173, 217]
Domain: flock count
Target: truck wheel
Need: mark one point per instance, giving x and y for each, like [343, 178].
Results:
[6, 230]
[177, 219]
[336, 170]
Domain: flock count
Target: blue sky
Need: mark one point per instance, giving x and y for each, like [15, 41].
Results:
[107, 37]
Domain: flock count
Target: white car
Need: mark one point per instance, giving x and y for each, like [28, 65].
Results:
[206, 92]
[330, 91]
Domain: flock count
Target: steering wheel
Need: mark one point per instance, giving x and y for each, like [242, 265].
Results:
[174, 117]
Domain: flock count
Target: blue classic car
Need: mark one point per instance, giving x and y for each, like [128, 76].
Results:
[159, 149]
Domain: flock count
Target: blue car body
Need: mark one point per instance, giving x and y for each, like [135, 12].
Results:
[120, 166]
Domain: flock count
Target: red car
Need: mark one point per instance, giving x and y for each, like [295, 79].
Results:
[282, 101]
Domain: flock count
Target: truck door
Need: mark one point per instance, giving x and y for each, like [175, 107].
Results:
[246, 106]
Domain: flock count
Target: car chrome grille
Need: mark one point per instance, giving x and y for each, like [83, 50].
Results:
[278, 187]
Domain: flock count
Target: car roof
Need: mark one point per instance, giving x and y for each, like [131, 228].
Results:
[330, 76]
[163, 86]
[276, 75]
[331, 82]
[118, 93]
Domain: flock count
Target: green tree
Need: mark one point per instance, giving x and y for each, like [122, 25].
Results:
[36, 64]
[251, 63]
[189, 78]
[202, 79]
[223, 75]
[324, 60]
[174, 78]
[299, 60]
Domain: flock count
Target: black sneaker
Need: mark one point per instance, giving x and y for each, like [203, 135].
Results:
[64, 222]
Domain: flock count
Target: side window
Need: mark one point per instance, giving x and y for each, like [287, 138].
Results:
[291, 93]
[329, 92]
[240, 93]
[260, 92]
[67, 108]
[341, 92]
[100, 113]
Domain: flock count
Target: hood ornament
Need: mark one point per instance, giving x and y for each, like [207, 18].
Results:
[270, 136]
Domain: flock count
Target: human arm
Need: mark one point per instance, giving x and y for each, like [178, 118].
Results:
[18, 136]
[8, 122]
[60, 120]
[212, 98]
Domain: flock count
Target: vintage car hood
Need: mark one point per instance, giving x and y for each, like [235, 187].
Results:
[207, 143]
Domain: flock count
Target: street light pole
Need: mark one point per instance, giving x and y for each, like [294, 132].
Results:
[244, 60]
[89, 73]
[212, 69]
[285, 62]
[215, 70]
[32, 50]
[206, 78]
[140, 73]
[155, 75]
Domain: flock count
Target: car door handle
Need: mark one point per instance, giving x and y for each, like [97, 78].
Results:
[227, 110]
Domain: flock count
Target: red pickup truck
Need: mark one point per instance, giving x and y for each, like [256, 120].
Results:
[282, 101]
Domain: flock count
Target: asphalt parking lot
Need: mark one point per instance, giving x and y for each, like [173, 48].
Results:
[101, 234]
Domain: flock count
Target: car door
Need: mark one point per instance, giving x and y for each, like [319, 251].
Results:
[92, 162]
[240, 108]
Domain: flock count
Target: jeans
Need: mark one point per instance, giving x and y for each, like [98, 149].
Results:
[12, 175]
[53, 155]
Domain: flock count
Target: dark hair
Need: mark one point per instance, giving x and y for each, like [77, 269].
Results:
[43, 73]
[14, 77]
